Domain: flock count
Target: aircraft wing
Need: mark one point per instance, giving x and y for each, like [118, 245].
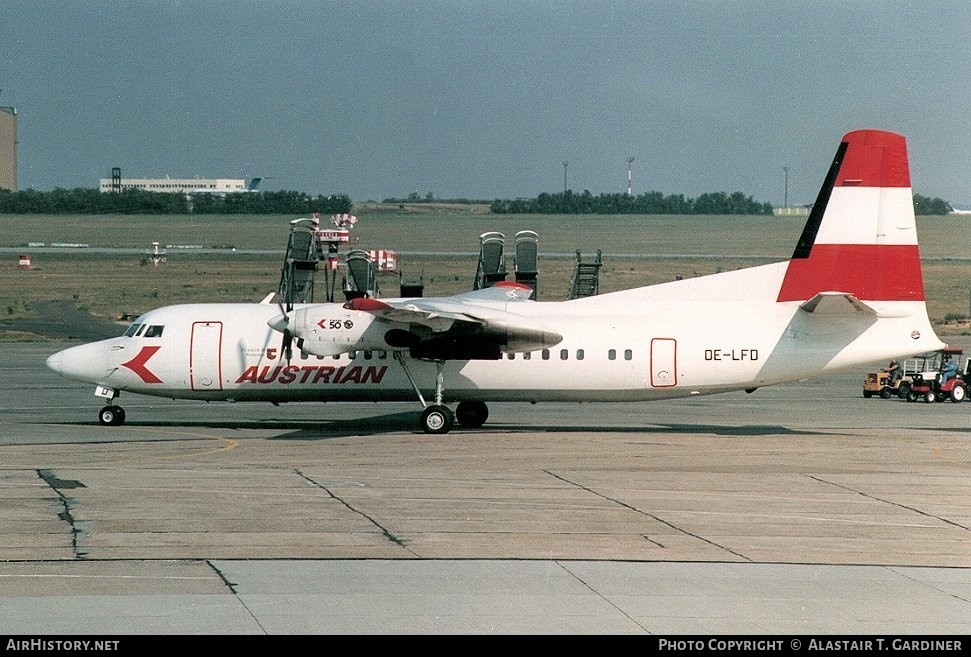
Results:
[502, 291]
[438, 313]
[468, 325]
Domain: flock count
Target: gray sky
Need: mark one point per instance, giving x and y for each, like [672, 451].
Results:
[485, 99]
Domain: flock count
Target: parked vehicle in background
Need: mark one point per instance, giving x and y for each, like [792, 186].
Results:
[883, 385]
[927, 384]
[897, 378]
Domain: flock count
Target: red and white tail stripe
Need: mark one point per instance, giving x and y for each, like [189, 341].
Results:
[861, 237]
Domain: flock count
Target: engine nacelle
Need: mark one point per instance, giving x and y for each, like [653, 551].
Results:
[330, 329]
[520, 335]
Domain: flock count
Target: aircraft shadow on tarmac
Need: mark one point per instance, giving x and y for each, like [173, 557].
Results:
[717, 429]
[299, 429]
[407, 422]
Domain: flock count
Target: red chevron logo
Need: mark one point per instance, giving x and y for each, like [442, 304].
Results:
[137, 365]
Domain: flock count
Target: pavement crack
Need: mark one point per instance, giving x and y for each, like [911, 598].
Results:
[647, 514]
[956, 595]
[891, 502]
[232, 589]
[387, 534]
[67, 503]
[603, 597]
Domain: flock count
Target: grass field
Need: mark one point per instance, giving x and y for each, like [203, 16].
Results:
[637, 250]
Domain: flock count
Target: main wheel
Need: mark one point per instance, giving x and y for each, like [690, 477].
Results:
[471, 413]
[111, 416]
[436, 419]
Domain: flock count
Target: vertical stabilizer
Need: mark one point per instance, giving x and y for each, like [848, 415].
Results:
[861, 236]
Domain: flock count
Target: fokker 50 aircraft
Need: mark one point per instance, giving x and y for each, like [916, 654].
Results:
[852, 293]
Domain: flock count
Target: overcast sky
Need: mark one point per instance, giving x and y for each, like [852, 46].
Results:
[485, 99]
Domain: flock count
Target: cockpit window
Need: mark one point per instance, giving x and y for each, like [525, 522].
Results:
[144, 330]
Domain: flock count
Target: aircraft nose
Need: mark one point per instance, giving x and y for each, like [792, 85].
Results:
[56, 362]
[81, 363]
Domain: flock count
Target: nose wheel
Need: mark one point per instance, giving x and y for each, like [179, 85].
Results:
[111, 416]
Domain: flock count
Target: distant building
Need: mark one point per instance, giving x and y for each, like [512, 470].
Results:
[8, 148]
[180, 185]
[792, 211]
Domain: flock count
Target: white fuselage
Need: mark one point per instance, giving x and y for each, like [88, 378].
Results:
[697, 336]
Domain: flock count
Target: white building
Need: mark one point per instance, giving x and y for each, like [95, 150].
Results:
[180, 185]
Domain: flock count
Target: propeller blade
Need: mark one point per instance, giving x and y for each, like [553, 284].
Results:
[287, 345]
[281, 323]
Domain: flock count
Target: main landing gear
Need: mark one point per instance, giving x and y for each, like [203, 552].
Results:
[437, 417]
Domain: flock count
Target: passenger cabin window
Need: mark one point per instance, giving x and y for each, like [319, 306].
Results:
[612, 354]
[564, 354]
[579, 354]
[628, 354]
[546, 354]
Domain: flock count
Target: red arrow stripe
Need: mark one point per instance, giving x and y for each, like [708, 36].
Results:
[137, 365]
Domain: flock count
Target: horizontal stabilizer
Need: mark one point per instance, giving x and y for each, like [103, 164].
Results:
[836, 303]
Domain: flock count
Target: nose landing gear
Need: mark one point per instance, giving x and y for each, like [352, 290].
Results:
[111, 415]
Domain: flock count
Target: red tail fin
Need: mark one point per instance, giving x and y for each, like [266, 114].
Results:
[861, 236]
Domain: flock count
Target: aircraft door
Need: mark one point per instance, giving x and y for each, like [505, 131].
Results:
[664, 372]
[205, 356]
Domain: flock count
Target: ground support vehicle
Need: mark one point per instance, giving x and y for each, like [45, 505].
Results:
[879, 384]
[926, 385]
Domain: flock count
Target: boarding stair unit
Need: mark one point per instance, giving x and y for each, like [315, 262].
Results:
[492, 260]
[361, 280]
[411, 288]
[527, 270]
[586, 277]
[299, 263]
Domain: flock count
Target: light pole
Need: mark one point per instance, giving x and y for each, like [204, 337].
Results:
[630, 161]
[565, 163]
[785, 201]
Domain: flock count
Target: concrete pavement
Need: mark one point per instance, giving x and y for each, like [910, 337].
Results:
[797, 509]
